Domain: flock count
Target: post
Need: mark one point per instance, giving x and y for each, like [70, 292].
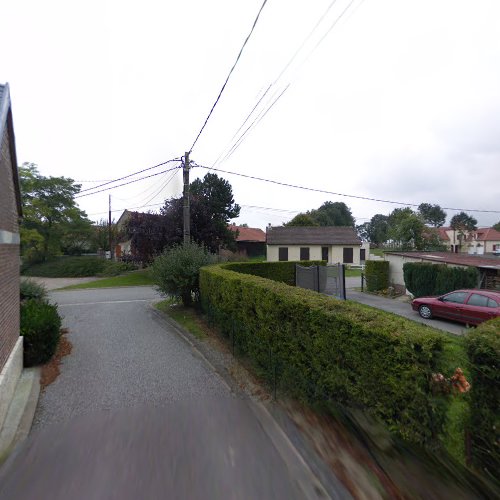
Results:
[186, 215]
[109, 232]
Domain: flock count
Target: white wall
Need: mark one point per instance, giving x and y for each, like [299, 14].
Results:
[335, 252]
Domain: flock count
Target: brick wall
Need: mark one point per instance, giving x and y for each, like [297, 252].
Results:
[9, 257]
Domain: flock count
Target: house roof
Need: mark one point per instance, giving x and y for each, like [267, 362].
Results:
[454, 258]
[487, 234]
[7, 126]
[443, 235]
[312, 235]
[249, 233]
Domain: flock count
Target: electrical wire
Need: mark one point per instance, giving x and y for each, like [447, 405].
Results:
[126, 183]
[316, 190]
[163, 186]
[229, 74]
[130, 175]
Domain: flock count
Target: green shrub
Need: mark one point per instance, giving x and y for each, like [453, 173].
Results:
[377, 275]
[283, 272]
[30, 289]
[74, 267]
[483, 349]
[422, 279]
[176, 272]
[320, 348]
[40, 327]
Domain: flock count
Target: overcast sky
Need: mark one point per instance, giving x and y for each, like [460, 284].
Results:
[399, 100]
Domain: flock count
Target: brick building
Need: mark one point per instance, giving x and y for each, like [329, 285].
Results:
[11, 348]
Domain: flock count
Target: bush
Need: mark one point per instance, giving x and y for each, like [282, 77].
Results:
[283, 272]
[75, 267]
[422, 279]
[30, 289]
[176, 272]
[377, 275]
[40, 327]
[319, 348]
[483, 350]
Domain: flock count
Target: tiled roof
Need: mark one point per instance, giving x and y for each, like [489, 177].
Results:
[309, 235]
[248, 233]
[487, 234]
[453, 258]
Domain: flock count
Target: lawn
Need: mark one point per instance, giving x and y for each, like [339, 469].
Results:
[187, 317]
[352, 273]
[134, 278]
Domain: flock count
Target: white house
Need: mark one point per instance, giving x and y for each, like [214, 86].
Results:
[333, 244]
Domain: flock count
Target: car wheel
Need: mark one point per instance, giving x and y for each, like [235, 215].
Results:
[425, 312]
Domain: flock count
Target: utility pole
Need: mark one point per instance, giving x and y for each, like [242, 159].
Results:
[186, 214]
[109, 232]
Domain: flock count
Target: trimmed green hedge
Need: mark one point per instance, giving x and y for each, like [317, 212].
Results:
[423, 278]
[283, 272]
[319, 348]
[483, 349]
[377, 275]
[40, 327]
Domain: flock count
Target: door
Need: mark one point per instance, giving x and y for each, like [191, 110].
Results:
[451, 305]
[348, 255]
[479, 308]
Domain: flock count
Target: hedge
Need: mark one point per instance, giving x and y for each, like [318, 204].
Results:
[319, 348]
[483, 350]
[283, 272]
[423, 278]
[377, 275]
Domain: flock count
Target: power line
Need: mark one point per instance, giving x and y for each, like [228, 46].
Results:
[275, 98]
[229, 74]
[316, 190]
[130, 175]
[125, 183]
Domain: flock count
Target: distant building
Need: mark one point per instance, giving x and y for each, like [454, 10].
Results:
[250, 241]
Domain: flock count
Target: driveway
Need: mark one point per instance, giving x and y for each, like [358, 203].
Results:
[138, 413]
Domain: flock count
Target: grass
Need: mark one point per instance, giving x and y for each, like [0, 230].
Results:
[352, 273]
[377, 251]
[187, 317]
[134, 278]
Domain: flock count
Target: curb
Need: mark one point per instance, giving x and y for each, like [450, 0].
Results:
[21, 411]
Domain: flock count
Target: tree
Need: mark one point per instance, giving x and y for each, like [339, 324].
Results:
[463, 223]
[49, 208]
[406, 228]
[378, 229]
[432, 214]
[497, 226]
[329, 214]
[212, 207]
[149, 234]
[100, 235]
[302, 220]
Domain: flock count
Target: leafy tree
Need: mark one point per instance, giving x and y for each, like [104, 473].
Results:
[497, 226]
[329, 214]
[212, 207]
[148, 233]
[100, 235]
[406, 228]
[463, 223]
[432, 214]
[49, 208]
[333, 214]
[378, 229]
[302, 220]
[177, 271]
[363, 231]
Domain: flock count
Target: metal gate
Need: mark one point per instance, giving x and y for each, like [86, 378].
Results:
[329, 280]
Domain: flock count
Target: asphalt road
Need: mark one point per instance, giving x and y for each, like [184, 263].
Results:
[137, 413]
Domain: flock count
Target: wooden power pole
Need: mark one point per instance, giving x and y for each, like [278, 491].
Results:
[109, 231]
[186, 214]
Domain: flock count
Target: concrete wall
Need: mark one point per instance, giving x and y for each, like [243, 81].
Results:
[335, 252]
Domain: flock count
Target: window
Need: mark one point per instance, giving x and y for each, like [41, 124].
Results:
[324, 253]
[456, 297]
[304, 253]
[348, 256]
[478, 300]
[283, 253]
[492, 303]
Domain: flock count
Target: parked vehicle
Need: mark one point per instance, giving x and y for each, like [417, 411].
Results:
[467, 306]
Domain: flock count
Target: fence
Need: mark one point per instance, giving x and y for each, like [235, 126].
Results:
[329, 280]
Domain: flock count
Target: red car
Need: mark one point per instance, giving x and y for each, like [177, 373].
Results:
[467, 306]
